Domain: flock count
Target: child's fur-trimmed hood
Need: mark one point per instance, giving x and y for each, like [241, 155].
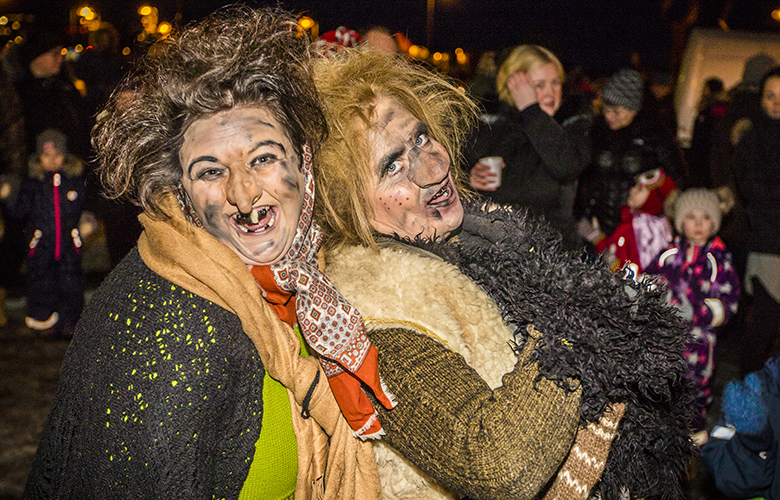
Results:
[71, 167]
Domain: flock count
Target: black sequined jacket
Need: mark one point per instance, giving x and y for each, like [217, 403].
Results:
[160, 397]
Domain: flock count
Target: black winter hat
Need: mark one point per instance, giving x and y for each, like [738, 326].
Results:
[756, 67]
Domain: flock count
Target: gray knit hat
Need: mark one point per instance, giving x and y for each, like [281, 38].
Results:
[624, 88]
[51, 139]
[714, 203]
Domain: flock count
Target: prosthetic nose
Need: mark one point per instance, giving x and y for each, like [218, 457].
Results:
[244, 189]
[428, 168]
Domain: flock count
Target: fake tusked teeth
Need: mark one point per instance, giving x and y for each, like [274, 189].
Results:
[252, 217]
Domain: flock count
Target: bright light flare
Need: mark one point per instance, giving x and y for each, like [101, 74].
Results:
[145, 10]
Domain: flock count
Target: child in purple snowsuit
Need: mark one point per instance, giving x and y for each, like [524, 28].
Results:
[702, 282]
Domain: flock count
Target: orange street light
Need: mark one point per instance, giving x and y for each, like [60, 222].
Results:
[306, 22]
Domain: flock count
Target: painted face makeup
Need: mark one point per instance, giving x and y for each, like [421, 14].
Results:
[244, 179]
[547, 84]
[411, 188]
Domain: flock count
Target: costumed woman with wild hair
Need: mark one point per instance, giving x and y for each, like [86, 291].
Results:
[593, 392]
[187, 376]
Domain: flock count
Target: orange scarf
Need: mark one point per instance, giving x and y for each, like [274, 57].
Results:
[332, 464]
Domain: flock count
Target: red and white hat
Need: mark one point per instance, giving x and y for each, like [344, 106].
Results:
[334, 40]
[660, 185]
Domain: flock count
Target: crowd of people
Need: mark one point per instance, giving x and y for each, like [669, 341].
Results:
[352, 279]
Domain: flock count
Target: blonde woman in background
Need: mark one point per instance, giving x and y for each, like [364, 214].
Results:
[542, 158]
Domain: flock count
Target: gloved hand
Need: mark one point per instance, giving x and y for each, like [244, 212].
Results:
[743, 405]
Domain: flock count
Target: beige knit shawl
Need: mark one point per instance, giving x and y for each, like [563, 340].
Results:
[190, 257]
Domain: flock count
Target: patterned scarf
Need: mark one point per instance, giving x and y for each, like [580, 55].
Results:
[330, 325]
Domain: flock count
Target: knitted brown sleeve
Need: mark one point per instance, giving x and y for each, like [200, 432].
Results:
[478, 442]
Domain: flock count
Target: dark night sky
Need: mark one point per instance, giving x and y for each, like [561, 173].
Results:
[593, 33]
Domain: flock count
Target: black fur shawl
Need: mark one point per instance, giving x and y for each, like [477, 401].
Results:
[613, 336]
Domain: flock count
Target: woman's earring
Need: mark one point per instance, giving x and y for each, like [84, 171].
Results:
[186, 206]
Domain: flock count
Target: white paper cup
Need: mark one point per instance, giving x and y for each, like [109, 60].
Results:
[494, 162]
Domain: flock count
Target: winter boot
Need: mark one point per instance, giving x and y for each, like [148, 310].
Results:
[42, 326]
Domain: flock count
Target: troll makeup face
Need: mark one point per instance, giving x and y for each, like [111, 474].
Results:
[412, 190]
[244, 180]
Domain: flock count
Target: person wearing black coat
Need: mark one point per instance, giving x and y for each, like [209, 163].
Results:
[49, 203]
[625, 144]
[741, 452]
[542, 157]
[757, 167]
[48, 97]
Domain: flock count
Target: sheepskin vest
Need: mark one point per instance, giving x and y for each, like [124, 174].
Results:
[439, 302]
[615, 338]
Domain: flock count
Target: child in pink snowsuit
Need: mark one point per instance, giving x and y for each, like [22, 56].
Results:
[702, 283]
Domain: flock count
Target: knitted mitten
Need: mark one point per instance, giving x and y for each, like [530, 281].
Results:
[582, 468]
[743, 405]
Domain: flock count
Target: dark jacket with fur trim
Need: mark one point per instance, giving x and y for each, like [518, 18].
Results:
[50, 205]
[615, 338]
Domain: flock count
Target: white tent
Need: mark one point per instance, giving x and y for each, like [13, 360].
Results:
[715, 53]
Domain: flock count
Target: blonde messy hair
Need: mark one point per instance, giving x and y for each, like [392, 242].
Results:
[350, 82]
[523, 58]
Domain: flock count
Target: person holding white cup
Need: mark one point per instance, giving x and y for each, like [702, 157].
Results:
[489, 178]
[540, 159]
